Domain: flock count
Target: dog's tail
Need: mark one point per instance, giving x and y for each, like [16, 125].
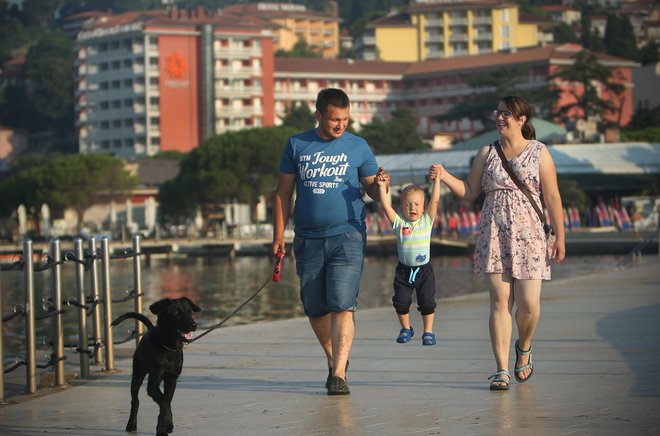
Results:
[134, 315]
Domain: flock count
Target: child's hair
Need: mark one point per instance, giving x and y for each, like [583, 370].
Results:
[409, 190]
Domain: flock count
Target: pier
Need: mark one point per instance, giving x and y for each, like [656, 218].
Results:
[596, 361]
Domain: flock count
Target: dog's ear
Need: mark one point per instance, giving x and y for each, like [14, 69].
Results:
[159, 306]
[193, 306]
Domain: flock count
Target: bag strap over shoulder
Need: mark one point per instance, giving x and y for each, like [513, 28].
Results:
[525, 190]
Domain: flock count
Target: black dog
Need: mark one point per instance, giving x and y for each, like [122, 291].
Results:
[160, 354]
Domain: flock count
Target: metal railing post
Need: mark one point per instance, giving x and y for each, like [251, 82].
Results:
[57, 333]
[30, 341]
[107, 305]
[137, 286]
[2, 352]
[83, 340]
[95, 298]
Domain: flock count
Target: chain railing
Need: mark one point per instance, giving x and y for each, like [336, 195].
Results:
[92, 303]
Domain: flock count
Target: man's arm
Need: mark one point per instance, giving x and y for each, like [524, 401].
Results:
[281, 208]
[370, 184]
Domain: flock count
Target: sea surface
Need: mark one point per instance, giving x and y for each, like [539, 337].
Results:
[220, 285]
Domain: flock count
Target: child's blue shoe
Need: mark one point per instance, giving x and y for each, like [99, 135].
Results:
[405, 335]
[428, 339]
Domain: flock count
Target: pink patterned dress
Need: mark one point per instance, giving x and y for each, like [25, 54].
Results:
[511, 240]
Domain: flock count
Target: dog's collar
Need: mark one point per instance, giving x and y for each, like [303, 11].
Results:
[170, 349]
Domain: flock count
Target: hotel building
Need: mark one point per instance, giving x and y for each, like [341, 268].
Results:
[294, 22]
[153, 81]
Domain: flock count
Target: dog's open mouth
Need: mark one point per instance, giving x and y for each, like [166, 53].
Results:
[187, 336]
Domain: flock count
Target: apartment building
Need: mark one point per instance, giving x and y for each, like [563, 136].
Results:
[153, 81]
[375, 88]
[294, 22]
[432, 87]
[448, 28]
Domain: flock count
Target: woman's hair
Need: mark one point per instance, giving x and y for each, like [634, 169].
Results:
[331, 97]
[519, 107]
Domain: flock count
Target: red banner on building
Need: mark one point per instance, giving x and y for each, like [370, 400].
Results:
[179, 123]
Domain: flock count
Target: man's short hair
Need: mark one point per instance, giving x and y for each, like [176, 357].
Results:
[331, 97]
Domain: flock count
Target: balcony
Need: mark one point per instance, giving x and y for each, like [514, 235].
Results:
[434, 23]
[483, 36]
[436, 38]
[461, 37]
[482, 20]
[244, 72]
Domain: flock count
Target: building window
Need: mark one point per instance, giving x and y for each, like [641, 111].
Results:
[155, 140]
[104, 105]
[116, 104]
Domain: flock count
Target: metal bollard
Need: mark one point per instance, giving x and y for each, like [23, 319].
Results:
[137, 286]
[95, 298]
[30, 341]
[56, 296]
[82, 314]
[107, 305]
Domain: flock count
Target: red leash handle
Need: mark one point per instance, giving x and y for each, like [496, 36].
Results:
[278, 266]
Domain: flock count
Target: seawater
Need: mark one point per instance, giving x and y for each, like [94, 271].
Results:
[220, 285]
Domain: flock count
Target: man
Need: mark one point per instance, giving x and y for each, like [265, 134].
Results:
[327, 165]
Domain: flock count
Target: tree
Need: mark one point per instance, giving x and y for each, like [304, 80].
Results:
[299, 117]
[563, 33]
[585, 77]
[490, 88]
[301, 49]
[589, 38]
[398, 135]
[620, 37]
[69, 181]
[49, 68]
[237, 166]
[650, 53]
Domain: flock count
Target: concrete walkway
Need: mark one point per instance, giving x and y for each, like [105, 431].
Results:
[597, 362]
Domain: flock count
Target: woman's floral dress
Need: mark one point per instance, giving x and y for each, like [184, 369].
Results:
[511, 240]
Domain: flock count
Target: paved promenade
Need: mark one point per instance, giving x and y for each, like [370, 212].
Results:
[597, 372]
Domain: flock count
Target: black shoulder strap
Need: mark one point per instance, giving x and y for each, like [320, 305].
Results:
[519, 184]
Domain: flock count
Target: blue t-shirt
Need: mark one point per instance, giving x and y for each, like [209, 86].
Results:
[328, 172]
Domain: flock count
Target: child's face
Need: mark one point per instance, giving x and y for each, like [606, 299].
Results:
[412, 205]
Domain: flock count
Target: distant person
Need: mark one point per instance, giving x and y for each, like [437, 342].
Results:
[327, 166]
[413, 241]
[636, 219]
[512, 247]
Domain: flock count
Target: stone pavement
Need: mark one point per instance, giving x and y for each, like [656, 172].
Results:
[597, 371]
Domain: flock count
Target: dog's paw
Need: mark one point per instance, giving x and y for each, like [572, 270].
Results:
[131, 427]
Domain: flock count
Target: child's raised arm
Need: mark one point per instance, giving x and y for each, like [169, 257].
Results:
[434, 201]
[385, 200]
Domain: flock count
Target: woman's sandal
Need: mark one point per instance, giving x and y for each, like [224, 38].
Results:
[503, 384]
[529, 365]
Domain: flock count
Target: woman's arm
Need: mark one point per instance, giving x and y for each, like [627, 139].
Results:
[552, 199]
[470, 188]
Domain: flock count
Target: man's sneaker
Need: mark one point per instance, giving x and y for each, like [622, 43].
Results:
[327, 381]
[338, 386]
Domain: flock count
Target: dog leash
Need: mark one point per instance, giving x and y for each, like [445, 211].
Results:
[276, 277]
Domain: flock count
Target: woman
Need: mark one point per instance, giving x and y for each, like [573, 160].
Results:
[511, 248]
